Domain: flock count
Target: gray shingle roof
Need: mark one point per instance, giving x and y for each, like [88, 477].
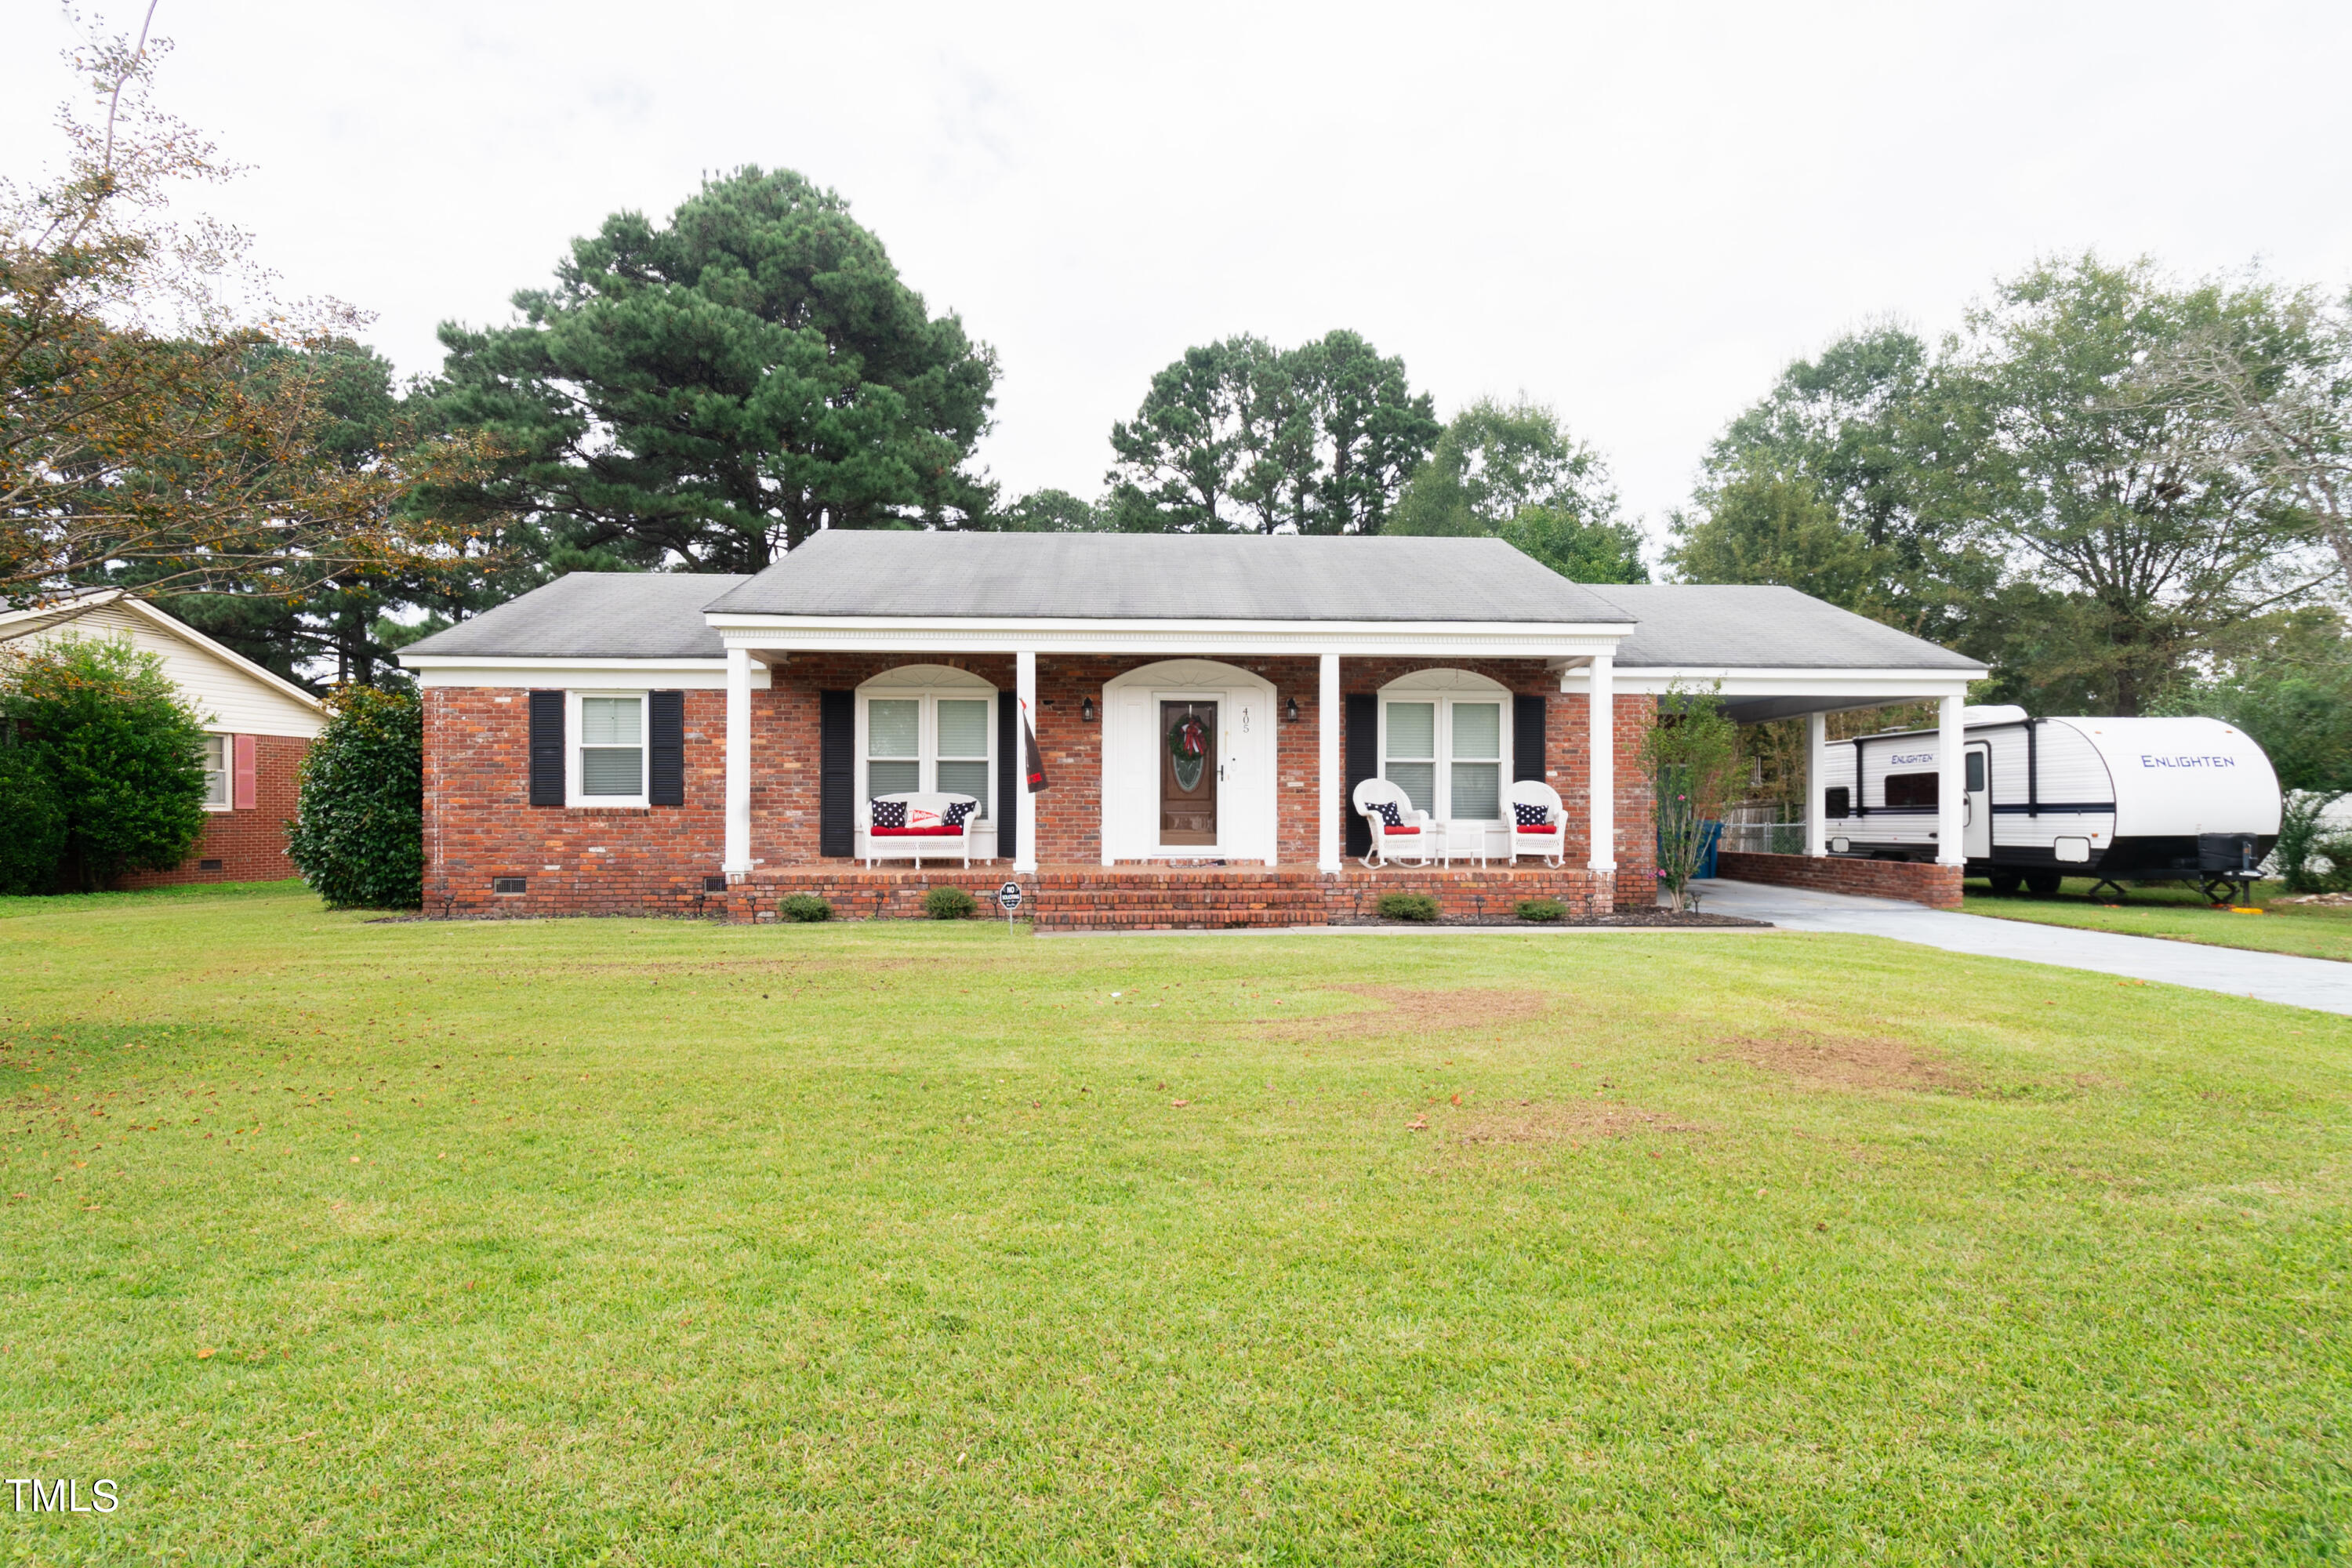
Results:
[650, 615]
[595, 615]
[1219, 577]
[1761, 628]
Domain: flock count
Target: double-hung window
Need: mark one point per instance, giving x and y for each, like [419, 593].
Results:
[608, 766]
[1446, 753]
[922, 742]
[217, 762]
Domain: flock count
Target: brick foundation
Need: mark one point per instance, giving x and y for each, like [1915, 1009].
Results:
[1937, 886]
[1170, 897]
[249, 845]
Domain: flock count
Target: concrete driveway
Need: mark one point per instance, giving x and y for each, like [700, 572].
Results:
[2321, 983]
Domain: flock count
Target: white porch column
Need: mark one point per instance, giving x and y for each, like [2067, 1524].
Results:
[1025, 688]
[1951, 785]
[1817, 756]
[1328, 808]
[738, 863]
[1601, 765]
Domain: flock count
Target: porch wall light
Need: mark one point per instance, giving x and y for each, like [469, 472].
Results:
[1087, 712]
[1290, 710]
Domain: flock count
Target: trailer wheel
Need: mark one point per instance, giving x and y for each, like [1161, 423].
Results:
[2042, 884]
[2005, 883]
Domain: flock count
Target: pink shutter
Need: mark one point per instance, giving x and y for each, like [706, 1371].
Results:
[242, 790]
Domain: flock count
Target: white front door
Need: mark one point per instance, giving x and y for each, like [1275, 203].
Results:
[1155, 805]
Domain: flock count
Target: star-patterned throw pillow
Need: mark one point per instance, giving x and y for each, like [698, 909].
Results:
[957, 811]
[1531, 814]
[1388, 810]
[889, 814]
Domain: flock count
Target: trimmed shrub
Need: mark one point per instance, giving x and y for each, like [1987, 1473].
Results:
[1541, 909]
[32, 819]
[1408, 907]
[122, 753]
[949, 904]
[806, 908]
[359, 840]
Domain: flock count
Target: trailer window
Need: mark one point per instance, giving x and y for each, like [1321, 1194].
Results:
[1911, 789]
[1976, 771]
[1837, 801]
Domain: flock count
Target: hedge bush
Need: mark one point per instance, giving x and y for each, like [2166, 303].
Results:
[805, 908]
[359, 840]
[949, 904]
[121, 754]
[32, 819]
[1408, 907]
[1541, 909]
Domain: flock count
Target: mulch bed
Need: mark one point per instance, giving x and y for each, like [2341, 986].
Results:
[1626, 918]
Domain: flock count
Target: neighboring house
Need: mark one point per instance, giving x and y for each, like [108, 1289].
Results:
[626, 743]
[257, 728]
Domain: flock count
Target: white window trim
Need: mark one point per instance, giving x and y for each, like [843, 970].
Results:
[227, 772]
[1445, 688]
[573, 730]
[927, 738]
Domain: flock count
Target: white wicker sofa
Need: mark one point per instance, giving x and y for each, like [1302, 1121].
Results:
[919, 825]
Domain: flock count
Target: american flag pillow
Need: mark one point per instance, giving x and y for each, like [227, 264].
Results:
[889, 814]
[1531, 814]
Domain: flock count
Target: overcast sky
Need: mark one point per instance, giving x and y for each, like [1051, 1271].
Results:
[1636, 213]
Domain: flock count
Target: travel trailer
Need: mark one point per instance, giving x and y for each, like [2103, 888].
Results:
[2151, 799]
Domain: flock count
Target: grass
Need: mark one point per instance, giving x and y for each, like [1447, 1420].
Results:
[664, 1243]
[2181, 914]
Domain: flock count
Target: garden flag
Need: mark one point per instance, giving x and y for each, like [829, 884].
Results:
[1033, 764]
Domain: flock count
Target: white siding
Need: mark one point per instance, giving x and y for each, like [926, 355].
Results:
[229, 697]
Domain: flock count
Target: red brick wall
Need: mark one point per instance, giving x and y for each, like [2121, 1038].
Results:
[251, 845]
[1938, 886]
[480, 825]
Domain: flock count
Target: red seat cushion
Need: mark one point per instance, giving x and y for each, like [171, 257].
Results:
[1539, 827]
[1400, 829]
[916, 832]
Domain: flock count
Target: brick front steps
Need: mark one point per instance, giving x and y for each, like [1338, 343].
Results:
[1177, 898]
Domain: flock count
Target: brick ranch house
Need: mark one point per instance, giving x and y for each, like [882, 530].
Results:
[257, 728]
[638, 742]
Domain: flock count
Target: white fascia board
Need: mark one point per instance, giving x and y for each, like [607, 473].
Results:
[1877, 685]
[571, 674]
[997, 634]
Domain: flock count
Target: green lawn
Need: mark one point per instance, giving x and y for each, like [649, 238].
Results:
[2181, 914]
[639, 1242]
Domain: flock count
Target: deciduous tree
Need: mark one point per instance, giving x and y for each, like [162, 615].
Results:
[151, 434]
[1509, 470]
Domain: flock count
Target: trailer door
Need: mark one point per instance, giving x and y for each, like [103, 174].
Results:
[1976, 835]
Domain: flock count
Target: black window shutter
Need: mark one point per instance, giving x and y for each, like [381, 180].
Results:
[1527, 736]
[1362, 738]
[547, 748]
[665, 772]
[836, 773]
[1008, 773]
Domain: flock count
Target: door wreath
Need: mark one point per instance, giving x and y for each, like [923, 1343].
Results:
[1188, 746]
